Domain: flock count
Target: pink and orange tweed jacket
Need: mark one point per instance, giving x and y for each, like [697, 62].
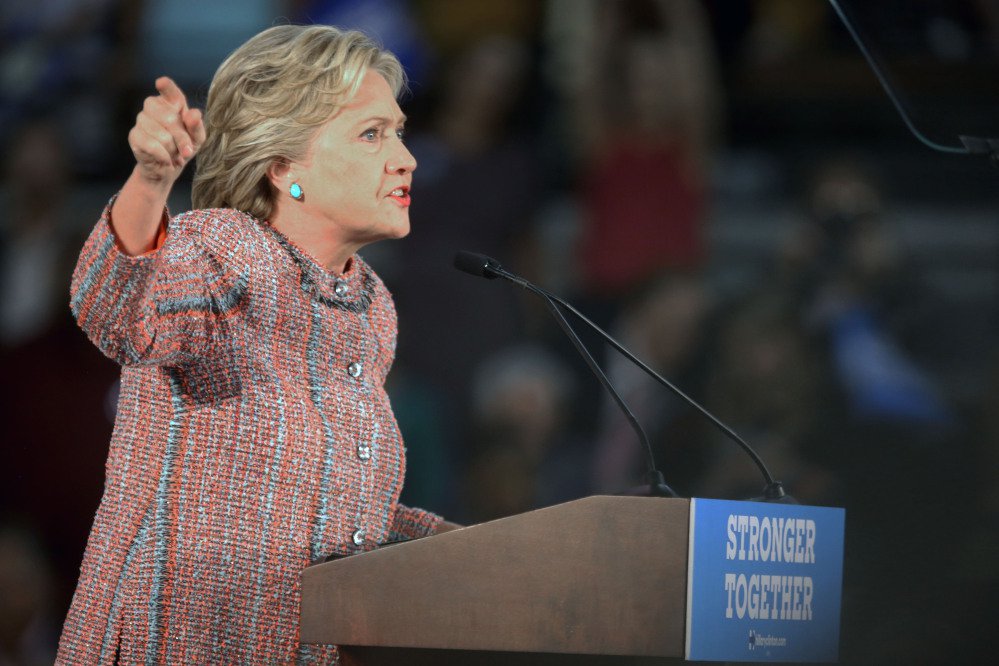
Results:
[253, 437]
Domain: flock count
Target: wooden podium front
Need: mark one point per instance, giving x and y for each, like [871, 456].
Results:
[601, 580]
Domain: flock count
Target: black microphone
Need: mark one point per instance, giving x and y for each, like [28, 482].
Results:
[483, 266]
[487, 267]
[477, 264]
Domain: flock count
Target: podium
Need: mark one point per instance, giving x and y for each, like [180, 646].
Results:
[590, 577]
[598, 581]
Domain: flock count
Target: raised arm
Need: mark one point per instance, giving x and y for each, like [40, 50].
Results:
[145, 307]
[166, 136]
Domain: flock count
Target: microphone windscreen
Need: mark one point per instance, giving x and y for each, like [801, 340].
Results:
[474, 264]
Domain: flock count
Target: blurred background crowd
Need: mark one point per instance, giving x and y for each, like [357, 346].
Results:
[722, 184]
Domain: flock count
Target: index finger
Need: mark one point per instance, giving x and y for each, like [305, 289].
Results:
[171, 92]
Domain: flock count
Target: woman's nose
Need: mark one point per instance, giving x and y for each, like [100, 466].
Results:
[402, 161]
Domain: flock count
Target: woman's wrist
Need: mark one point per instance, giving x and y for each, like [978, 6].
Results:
[137, 214]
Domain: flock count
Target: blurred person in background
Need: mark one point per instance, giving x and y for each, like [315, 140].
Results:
[845, 252]
[644, 114]
[48, 368]
[36, 236]
[479, 187]
[523, 455]
[884, 423]
[766, 381]
[638, 122]
[848, 274]
[253, 434]
[667, 326]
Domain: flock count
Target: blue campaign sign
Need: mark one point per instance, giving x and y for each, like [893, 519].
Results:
[763, 581]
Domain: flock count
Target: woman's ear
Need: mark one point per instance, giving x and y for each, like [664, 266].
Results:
[279, 173]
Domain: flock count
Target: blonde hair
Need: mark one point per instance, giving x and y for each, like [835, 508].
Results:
[267, 101]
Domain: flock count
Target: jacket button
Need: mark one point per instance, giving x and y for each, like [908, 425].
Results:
[354, 369]
[358, 538]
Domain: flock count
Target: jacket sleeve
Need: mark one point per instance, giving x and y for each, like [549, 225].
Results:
[409, 523]
[160, 308]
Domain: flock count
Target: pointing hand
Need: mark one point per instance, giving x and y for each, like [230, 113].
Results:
[167, 134]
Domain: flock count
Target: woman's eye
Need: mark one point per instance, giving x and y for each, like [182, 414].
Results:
[370, 135]
[401, 133]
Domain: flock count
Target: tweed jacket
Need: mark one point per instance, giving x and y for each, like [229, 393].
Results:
[253, 437]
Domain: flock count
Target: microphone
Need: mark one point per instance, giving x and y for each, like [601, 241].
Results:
[483, 266]
[477, 264]
[489, 268]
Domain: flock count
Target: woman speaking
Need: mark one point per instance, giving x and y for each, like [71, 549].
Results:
[254, 435]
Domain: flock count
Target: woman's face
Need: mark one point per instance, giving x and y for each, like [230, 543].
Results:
[357, 173]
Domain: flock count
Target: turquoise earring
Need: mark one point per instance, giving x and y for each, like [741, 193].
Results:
[296, 192]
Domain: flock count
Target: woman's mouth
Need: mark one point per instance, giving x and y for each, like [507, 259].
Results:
[401, 196]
